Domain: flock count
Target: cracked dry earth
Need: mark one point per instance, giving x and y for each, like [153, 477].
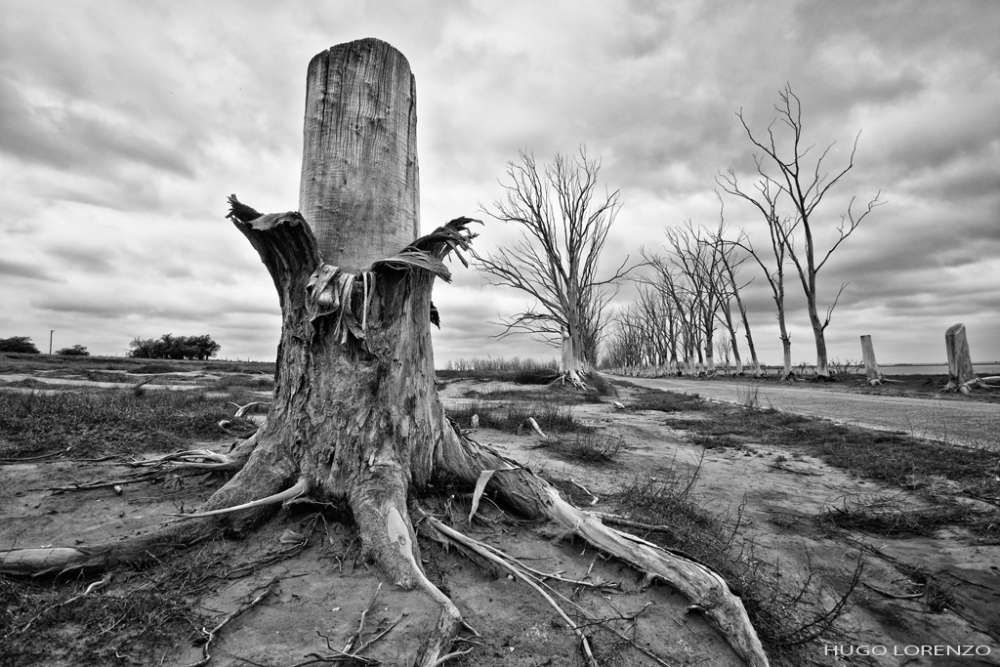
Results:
[316, 589]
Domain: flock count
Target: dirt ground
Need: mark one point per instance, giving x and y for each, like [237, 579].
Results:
[312, 590]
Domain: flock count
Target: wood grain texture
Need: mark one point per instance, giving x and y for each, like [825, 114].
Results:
[359, 188]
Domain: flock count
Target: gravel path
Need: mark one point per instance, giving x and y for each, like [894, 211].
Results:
[960, 422]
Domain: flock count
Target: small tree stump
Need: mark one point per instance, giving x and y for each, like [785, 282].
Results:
[961, 375]
[872, 373]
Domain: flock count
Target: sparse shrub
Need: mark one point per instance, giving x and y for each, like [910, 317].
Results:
[749, 396]
[20, 344]
[75, 351]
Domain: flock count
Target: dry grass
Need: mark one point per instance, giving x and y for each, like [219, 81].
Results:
[666, 401]
[512, 416]
[107, 422]
[890, 514]
[509, 365]
[45, 623]
[893, 459]
[785, 619]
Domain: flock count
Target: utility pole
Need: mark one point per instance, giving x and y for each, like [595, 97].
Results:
[51, 331]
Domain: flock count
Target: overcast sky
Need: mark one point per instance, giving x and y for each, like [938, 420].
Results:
[125, 125]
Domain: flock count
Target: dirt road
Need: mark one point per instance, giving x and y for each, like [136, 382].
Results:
[955, 421]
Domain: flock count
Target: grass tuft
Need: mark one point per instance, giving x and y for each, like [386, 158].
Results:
[890, 515]
[594, 448]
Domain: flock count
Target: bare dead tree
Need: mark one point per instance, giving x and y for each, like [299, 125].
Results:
[644, 336]
[731, 264]
[806, 189]
[698, 262]
[766, 201]
[670, 284]
[564, 227]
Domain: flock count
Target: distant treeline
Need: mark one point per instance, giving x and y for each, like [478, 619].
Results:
[175, 347]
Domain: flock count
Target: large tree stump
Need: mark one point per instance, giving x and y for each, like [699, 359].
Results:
[355, 415]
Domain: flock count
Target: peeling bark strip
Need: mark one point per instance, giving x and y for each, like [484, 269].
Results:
[355, 414]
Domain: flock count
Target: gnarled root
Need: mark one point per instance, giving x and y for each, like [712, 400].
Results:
[954, 385]
[574, 378]
[707, 591]
[206, 460]
[138, 550]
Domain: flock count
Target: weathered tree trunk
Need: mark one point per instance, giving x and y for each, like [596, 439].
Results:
[786, 347]
[360, 177]
[872, 373]
[961, 375]
[819, 333]
[355, 414]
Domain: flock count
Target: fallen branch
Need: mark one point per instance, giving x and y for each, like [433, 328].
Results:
[243, 409]
[191, 458]
[211, 634]
[911, 596]
[145, 477]
[537, 429]
[593, 497]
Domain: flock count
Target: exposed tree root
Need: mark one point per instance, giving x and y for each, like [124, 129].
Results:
[241, 410]
[135, 479]
[707, 591]
[475, 546]
[966, 387]
[210, 635]
[879, 380]
[574, 378]
[203, 459]
[297, 490]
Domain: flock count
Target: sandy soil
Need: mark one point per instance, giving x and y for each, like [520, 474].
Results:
[323, 590]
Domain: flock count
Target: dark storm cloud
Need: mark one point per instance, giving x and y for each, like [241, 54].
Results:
[91, 258]
[108, 306]
[16, 269]
[69, 139]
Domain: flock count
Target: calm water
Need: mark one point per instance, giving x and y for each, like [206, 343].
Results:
[938, 369]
